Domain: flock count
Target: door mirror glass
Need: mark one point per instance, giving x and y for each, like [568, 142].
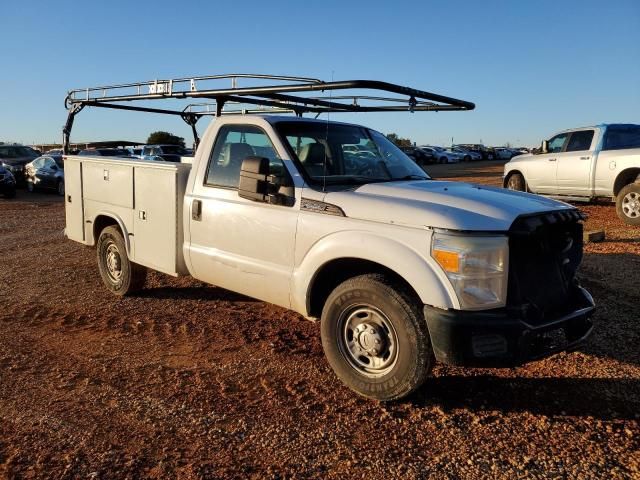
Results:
[254, 179]
[257, 184]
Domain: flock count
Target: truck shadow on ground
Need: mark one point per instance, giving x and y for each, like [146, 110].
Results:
[203, 292]
[600, 398]
[611, 279]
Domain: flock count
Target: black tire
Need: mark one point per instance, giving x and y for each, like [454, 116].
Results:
[443, 159]
[628, 204]
[516, 182]
[409, 361]
[60, 188]
[119, 275]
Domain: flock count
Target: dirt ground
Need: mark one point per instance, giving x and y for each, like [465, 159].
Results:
[186, 380]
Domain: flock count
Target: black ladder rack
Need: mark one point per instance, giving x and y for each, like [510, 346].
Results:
[280, 94]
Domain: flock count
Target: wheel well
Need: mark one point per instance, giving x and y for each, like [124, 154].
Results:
[624, 178]
[100, 223]
[509, 175]
[335, 272]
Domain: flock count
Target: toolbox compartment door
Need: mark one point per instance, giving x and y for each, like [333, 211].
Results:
[155, 219]
[73, 203]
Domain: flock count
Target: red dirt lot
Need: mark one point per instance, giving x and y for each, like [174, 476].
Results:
[186, 380]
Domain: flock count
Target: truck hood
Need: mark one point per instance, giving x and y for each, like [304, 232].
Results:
[440, 204]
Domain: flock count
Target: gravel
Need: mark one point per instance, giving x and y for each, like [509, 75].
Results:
[186, 380]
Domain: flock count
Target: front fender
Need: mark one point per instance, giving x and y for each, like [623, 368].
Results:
[420, 271]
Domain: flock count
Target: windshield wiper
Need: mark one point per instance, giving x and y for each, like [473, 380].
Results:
[410, 177]
[352, 180]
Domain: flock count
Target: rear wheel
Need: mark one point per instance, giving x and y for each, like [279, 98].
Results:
[120, 275]
[375, 337]
[516, 182]
[628, 204]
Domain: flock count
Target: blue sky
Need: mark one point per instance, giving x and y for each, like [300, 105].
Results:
[531, 67]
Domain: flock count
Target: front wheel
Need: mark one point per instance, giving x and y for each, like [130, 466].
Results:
[628, 204]
[375, 337]
[516, 182]
[119, 274]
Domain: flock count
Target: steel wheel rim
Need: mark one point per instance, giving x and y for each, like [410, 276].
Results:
[367, 340]
[511, 185]
[631, 205]
[113, 262]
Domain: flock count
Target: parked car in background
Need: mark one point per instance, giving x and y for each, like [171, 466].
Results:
[167, 153]
[418, 155]
[134, 152]
[486, 152]
[54, 151]
[14, 158]
[584, 164]
[104, 152]
[442, 155]
[45, 173]
[35, 151]
[503, 153]
[467, 155]
[7, 183]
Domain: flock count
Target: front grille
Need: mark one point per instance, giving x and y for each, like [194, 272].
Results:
[545, 251]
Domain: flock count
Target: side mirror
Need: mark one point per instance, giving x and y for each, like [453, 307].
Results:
[258, 185]
[544, 148]
[254, 174]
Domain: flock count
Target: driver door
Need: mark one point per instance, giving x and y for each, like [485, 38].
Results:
[235, 243]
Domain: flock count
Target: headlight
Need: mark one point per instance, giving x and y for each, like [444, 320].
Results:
[477, 267]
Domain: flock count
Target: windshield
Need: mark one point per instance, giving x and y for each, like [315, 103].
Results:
[335, 154]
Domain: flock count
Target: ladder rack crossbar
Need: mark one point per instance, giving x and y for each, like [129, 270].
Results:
[281, 94]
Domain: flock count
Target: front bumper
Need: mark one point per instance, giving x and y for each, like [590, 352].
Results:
[503, 337]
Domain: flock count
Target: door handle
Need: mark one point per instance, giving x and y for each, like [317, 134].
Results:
[552, 159]
[196, 210]
[585, 158]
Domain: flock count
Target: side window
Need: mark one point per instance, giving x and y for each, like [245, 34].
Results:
[37, 163]
[557, 142]
[618, 137]
[580, 141]
[233, 144]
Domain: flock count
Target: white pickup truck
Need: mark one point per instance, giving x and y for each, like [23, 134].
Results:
[584, 164]
[401, 269]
